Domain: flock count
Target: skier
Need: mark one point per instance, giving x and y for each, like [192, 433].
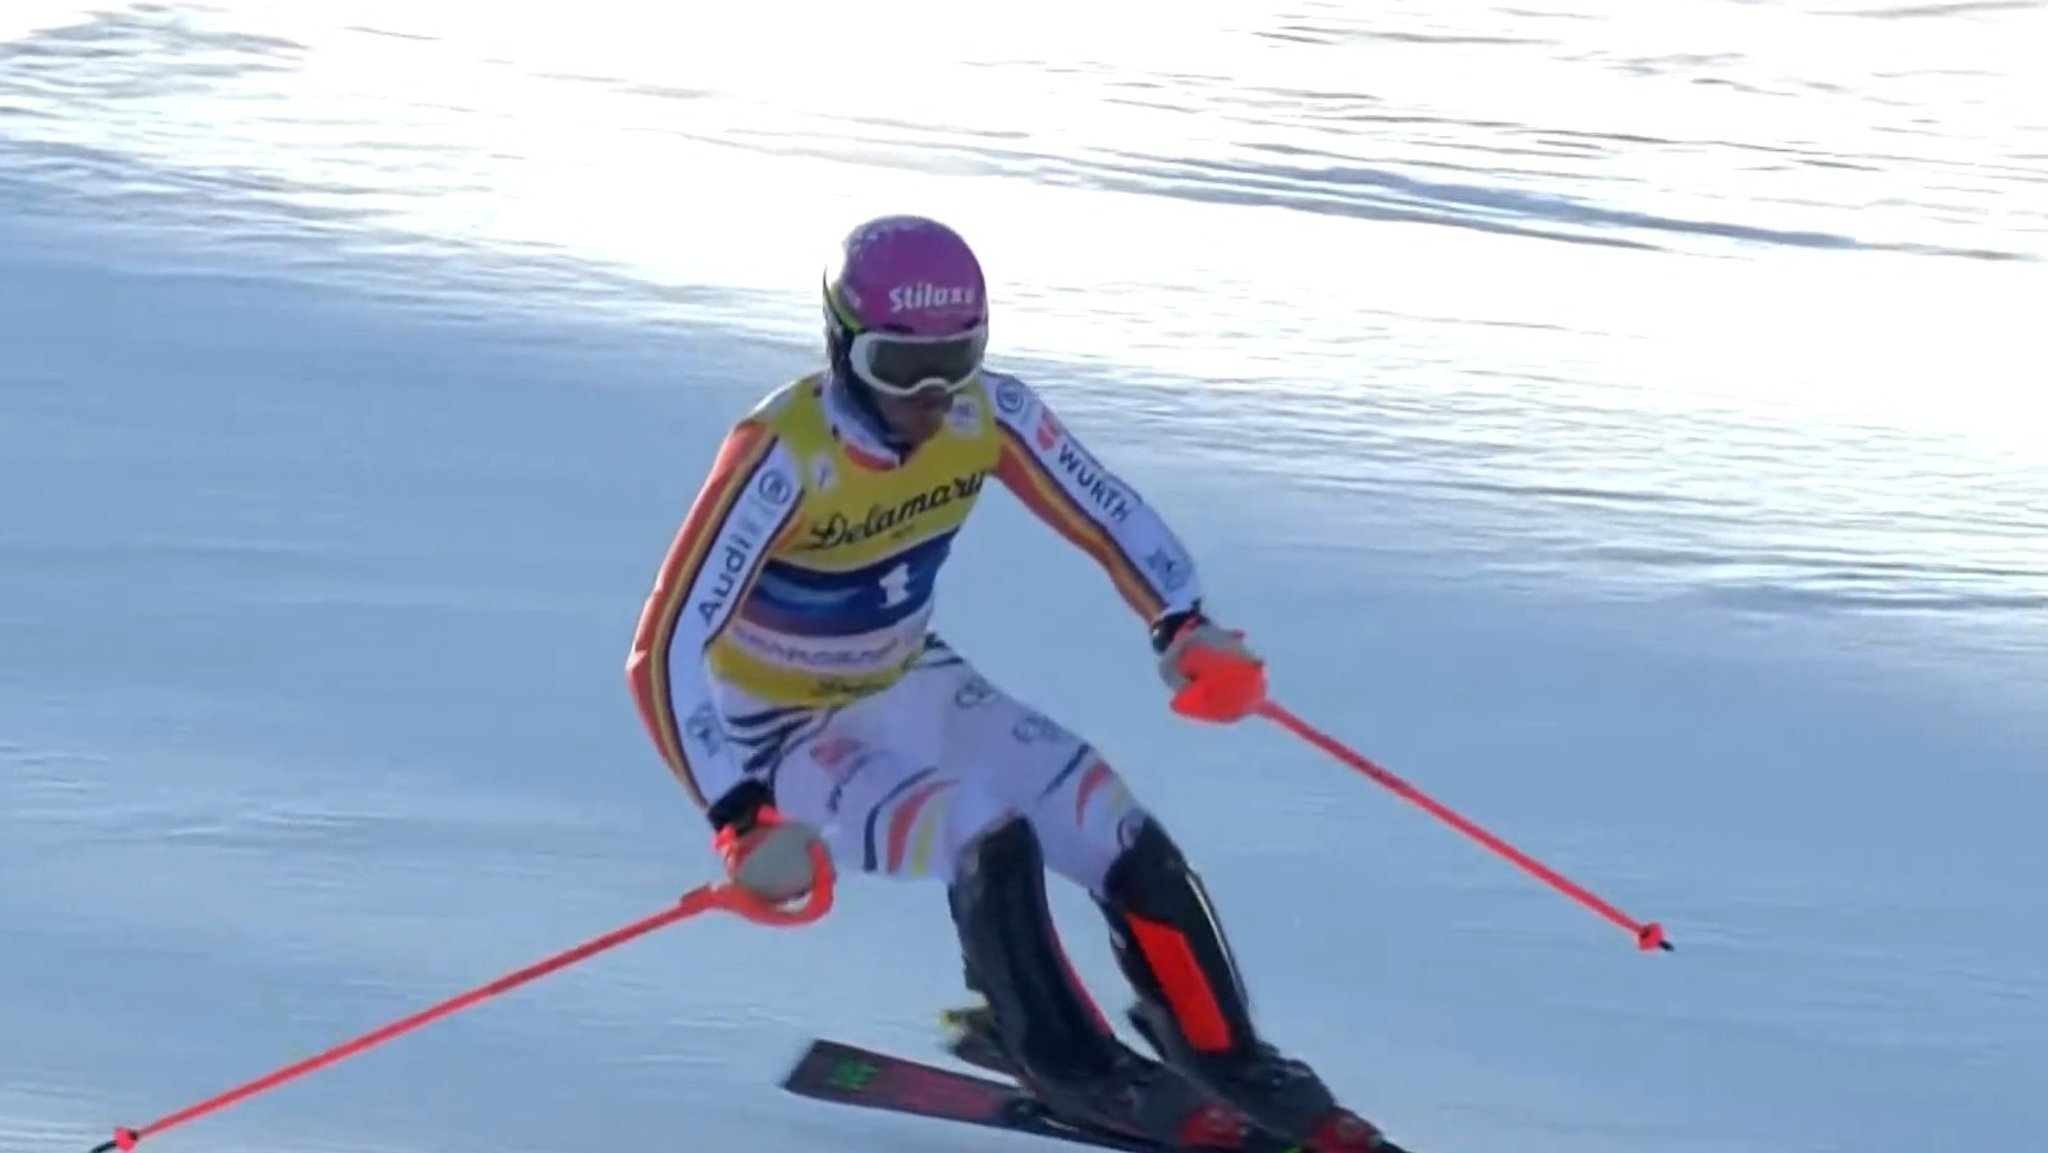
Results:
[783, 666]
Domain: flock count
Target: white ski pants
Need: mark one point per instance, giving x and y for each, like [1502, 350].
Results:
[900, 782]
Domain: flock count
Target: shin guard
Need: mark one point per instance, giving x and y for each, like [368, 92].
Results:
[1013, 959]
[1172, 950]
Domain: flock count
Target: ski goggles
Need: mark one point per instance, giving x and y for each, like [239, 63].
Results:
[902, 366]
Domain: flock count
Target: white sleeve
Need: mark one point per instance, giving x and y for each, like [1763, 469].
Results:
[750, 498]
[1065, 486]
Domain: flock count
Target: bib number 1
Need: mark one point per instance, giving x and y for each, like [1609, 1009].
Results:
[895, 586]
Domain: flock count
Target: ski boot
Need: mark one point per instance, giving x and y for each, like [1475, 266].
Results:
[1193, 1010]
[1279, 1095]
[1039, 1025]
[1197, 1122]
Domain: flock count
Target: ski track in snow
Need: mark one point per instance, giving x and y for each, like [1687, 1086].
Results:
[1649, 465]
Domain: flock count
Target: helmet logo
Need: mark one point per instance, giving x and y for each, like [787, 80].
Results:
[924, 295]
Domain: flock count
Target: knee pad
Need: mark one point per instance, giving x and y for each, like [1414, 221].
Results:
[1151, 878]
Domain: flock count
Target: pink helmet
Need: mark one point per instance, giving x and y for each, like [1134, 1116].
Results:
[906, 308]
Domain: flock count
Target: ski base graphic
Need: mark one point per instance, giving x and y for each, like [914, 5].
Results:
[846, 1074]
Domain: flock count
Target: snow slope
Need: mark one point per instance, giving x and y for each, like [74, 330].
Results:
[325, 527]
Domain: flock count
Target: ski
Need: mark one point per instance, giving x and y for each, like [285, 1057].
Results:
[847, 1074]
[968, 1039]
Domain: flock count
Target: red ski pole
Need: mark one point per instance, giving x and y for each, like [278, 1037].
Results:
[1220, 688]
[703, 899]
[1648, 935]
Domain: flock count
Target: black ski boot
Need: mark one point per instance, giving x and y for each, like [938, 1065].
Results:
[1192, 1008]
[1207, 1125]
[1041, 1023]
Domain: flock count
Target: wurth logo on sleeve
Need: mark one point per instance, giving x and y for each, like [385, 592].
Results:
[1087, 480]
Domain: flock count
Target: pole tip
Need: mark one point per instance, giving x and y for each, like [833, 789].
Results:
[1651, 936]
